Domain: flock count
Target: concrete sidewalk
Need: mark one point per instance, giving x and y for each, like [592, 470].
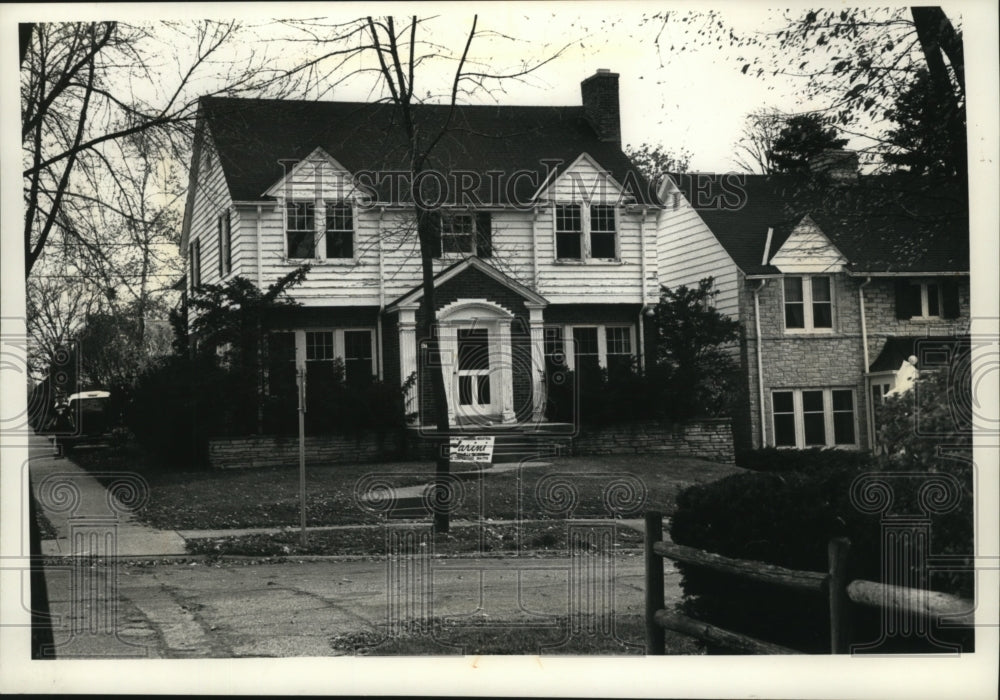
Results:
[78, 505]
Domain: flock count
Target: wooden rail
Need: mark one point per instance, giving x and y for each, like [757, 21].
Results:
[834, 584]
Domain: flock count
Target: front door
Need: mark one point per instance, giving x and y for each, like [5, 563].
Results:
[473, 376]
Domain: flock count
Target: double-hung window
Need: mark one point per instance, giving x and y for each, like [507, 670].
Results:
[603, 232]
[300, 228]
[586, 233]
[814, 418]
[924, 300]
[569, 232]
[339, 231]
[458, 233]
[808, 303]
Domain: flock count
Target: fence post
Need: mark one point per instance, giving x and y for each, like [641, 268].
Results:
[838, 550]
[655, 642]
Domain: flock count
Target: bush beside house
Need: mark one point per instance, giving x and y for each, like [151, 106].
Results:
[785, 513]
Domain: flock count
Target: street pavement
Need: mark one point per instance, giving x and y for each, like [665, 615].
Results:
[153, 601]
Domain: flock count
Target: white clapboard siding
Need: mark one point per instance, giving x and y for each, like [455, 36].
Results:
[211, 199]
[318, 176]
[808, 250]
[584, 180]
[688, 252]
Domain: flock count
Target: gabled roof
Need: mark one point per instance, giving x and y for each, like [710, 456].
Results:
[253, 136]
[417, 293]
[881, 223]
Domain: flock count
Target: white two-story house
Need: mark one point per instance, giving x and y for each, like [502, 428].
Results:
[547, 241]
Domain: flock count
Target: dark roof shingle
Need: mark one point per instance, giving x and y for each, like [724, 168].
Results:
[881, 223]
[253, 137]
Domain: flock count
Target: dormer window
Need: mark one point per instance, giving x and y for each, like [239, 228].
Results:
[300, 228]
[586, 233]
[569, 232]
[808, 303]
[603, 231]
[339, 231]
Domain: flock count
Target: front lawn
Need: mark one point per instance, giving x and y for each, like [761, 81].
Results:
[574, 487]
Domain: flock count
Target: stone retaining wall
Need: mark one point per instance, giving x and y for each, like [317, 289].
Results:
[710, 439]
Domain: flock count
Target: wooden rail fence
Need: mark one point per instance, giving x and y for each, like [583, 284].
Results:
[833, 584]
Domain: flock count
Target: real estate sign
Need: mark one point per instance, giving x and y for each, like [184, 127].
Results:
[472, 450]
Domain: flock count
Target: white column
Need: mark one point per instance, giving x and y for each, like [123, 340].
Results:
[408, 352]
[537, 362]
[448, 351]
[506, 372]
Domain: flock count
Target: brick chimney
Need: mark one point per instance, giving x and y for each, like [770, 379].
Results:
[836, 163]
[600, 104]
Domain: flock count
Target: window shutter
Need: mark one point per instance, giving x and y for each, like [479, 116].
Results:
[484, 234]
[949, 294]
[902, 298]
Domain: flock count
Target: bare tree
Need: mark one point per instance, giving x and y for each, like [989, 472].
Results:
[392, 53]
[756, 144]
[88, 86]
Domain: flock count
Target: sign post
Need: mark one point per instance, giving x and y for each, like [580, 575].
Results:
[301, 382]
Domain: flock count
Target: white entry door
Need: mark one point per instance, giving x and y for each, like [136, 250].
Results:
[474, 389]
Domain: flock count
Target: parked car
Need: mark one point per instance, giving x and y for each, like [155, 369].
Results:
[90, 414]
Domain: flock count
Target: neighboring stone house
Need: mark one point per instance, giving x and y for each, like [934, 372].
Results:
[547, 246]
[840, 282]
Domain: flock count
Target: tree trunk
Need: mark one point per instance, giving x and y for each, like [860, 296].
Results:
[427, 234]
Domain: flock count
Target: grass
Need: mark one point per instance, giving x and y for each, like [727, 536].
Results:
[545, 538]
[471, 637]
[269, 497]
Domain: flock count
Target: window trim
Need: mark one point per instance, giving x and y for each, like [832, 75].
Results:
[321, 255]
[473, 237]
[807, 307]
[320, 212]
[586, 232]
[286, 230]
[828, 414]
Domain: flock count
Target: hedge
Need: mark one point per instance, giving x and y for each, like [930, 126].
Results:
[787, 518]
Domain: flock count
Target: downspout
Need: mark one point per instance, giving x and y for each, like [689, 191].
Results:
[760, 361]
[869, 419]
[381, 294]
[642, 290]
[260, 255]
[534, 246]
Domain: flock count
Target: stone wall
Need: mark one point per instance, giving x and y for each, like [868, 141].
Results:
[710, 439]
[270, 451]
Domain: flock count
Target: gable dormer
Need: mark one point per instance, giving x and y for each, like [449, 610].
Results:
[807, 249]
